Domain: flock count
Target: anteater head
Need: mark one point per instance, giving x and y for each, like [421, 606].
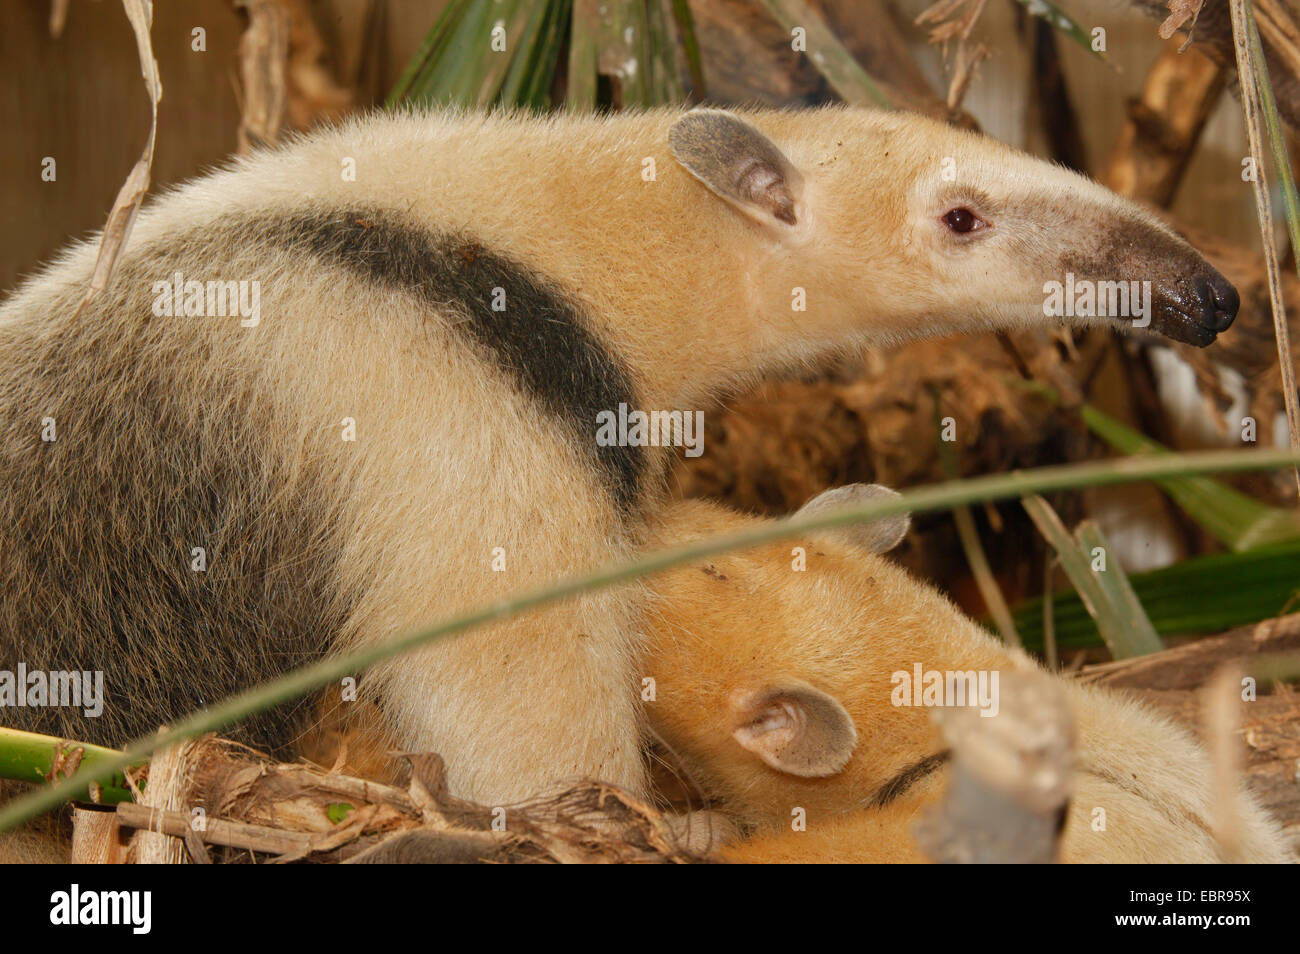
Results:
[776, 668]
[919, 229]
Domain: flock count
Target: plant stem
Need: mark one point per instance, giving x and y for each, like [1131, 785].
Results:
[933, 497]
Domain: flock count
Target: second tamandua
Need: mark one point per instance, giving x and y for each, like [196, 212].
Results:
[345, 388]
[774, 689]
[784, 682]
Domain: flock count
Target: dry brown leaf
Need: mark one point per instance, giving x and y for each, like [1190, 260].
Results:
[951, 21]
[1180, 11]
[120, 220]
[67, 759]
[286, 814]
[263, 61]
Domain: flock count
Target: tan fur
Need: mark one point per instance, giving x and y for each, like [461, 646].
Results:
[877, 837]
[727, 628]
[43, 841]
[734, 625]
[397, 529]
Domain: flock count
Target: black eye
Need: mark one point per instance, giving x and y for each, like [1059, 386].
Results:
[962, 221]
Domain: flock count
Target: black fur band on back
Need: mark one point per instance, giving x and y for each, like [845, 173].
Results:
[538, 336]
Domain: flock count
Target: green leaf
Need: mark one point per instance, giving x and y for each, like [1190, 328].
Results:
[1058, 19]
[1103, 590]
[1234, 519]
[412, 86]
[828, 55]
[337, 811]
[422, 57]
[690, 42]
[461, 71]
[1206, 594]
[532, 69]
[633, 41]
[513, 17]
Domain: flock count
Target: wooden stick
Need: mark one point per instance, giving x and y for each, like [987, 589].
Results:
[216, 832]
[1257, 112]
[96, 837]
[1164, 125]
[349, 787]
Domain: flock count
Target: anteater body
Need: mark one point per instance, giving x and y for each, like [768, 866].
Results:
[406, 428]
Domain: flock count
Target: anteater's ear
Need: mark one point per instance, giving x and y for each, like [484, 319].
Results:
[795, 729]
[739, 163]
[876, 536]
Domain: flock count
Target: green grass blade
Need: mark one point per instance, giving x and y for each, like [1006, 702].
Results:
[1234, 519]
[1127, 629]
[1101, 586]
[828, 55]
[916, 500]
[415, 74]
[1206, 594]
[691, 44]
[1058, 19]
[1276, 138]
[976, 559]
[1243, 19]
[532, 69]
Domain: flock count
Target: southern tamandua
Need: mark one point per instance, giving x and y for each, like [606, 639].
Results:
[785, 682]
[345, 388]
[773, 674]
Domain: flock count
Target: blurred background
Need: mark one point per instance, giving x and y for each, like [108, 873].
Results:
[78, 95]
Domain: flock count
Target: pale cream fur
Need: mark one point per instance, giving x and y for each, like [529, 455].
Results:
[451, 461]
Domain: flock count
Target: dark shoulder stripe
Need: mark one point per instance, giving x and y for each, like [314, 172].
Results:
[539, 338]
[898, 786]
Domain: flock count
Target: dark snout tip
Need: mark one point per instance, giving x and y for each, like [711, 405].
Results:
[1219, 301]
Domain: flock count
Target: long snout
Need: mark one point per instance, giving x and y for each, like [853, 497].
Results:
[1176, 292]
[1194, 309]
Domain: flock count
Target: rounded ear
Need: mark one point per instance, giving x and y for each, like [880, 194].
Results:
[874, 536]
[795, 729]
[738, 163]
